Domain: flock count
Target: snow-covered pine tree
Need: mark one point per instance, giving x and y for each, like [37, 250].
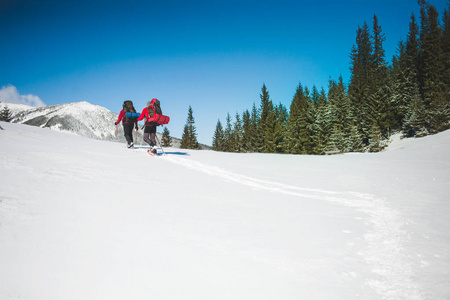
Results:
[405, 75]
[376, 143]
[5, 114]
[431, 52]
[380, 98]
[446, 52]
[339, 115]
[361, 84]
[414, 123]
[297, 133]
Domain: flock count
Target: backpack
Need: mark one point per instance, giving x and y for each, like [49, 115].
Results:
[130, 112]
[155, 116]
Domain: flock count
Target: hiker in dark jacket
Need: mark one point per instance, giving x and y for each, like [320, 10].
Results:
[128, 123]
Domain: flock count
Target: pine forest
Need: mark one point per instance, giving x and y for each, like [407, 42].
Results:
[410, 95]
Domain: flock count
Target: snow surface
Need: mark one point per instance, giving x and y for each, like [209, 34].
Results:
[88, 219]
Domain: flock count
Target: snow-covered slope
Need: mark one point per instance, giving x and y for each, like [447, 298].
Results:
[89, 219]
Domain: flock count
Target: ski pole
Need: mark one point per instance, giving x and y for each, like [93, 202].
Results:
[164, 153]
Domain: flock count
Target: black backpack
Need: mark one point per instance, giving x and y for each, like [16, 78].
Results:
[129, 108]
[157, 107]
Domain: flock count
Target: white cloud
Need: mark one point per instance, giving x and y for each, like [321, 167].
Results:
[9, 94]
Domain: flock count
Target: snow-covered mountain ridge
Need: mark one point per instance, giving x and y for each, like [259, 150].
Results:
[81, 118]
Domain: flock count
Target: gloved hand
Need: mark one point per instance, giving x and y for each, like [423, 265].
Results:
[115, 123]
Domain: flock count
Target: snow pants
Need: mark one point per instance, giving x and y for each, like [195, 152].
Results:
[128, 132]
[150, 131]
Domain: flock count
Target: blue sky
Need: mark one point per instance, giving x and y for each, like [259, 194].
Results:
[211, 55]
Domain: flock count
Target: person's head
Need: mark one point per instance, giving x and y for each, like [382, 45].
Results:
[149, 103]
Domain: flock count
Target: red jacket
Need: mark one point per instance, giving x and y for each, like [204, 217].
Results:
[144, 114]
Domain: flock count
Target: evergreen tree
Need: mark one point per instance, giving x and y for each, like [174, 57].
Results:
[379, 102]
[228, 135]
[238, 134]
[379, 106]
[440, 108]
[308, 133]
[376, 142]
[275, 129]
[280, 128]
[431, 55]
[299, 123]
[185, 142]
[266, 121]
[6, 114]
[339, 119]
[315, 96]
[166, 139]
[446, 52]
[189, 137]
[322, 124]
[253, 131]
[414, 123]
[218, 138]
[292, 138]
[380, 67]
[361, 84]
[405, 75]
[247, 133]
[270, 139]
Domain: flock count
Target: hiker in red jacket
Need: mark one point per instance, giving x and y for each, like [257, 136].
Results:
[150, 127]
[128, 122]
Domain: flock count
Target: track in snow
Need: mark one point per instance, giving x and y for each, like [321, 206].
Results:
[385, 251]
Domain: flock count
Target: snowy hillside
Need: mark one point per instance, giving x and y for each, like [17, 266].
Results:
[88, 219]
[82, 118]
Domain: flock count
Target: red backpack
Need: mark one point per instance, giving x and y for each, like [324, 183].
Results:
[157, 118]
